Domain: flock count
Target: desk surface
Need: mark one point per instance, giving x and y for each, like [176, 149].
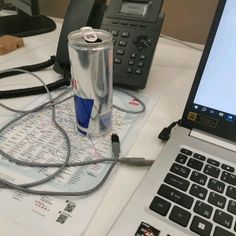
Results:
[171, 76]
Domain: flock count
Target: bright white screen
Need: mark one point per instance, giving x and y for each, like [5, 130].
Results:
[217, 89]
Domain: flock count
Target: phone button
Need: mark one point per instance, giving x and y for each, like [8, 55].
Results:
[120, 51]
[133, 55]
[142, 26]
[129, 70]
[125, 34]
[115, 32]
[140, 64]
[142, 57]
[131, 63]
[138, 71]
[117, 60]
[122, 43]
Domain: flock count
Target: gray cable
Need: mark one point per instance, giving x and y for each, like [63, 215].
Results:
[24, 187]
[51, 103]
[54, 193]
[45, 105]
[60, 129]
[38, 164]
[133, 96]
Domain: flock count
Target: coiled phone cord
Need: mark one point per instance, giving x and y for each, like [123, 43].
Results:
[65, 81]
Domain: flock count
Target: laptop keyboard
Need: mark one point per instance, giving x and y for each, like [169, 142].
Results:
[199, 193]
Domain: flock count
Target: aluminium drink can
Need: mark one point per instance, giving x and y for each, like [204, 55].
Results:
[91, 58]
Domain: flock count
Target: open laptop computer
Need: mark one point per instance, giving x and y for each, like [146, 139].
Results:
[191, 187]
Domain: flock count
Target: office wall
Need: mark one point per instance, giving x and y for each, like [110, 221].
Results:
[188, 20]
[55, 8]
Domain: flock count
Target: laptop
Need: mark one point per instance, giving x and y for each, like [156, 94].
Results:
[191, 187]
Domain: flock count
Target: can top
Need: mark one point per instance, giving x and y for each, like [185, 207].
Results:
[87, 36]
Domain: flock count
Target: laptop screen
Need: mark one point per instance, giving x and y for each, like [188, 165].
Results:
[212, 101]
[216, 91]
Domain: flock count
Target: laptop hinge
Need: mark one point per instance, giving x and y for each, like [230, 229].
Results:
[213, 139]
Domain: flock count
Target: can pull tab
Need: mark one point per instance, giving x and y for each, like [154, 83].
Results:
[88, 34]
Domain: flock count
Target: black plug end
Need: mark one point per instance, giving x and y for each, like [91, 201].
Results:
[115, 138]
[165, 134]
[115, 144]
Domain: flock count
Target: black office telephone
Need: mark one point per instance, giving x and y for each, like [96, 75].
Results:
[135, 25]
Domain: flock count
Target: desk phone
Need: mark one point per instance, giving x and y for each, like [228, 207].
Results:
[135, 26]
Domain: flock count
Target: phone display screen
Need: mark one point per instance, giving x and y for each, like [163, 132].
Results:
[134, 8]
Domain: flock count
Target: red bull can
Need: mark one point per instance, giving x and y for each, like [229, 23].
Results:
[91, 59]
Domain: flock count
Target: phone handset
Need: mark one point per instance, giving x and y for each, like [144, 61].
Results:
[80, 13]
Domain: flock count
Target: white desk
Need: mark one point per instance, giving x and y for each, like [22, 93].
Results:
[171, 76]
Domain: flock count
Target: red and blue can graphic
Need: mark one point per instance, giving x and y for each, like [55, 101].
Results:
[91, 56]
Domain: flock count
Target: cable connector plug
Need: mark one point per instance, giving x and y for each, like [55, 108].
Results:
[136, 161]
[115, 145]
[165, 133]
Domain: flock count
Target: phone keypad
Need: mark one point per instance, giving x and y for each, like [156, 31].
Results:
[134, 45]
[136, 60]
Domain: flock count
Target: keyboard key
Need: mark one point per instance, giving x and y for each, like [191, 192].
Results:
[217, 200]
[231, 192]
[228, 168]
[199, 178]
[180, 170]
[232, 207]
[223, 219]
[203, 209]
[222, 232]
[228, 178]
[175, 196]
[160, 206]
[180, 216]
[198, 191]
[199, 157]
[177, 182]
[212, 171]
[181, 158]
[216, 185]
[195, 164]
[213, 162]
[186, 151]
[201, 226]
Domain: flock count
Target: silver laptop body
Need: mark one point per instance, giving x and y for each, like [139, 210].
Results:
[191, 187]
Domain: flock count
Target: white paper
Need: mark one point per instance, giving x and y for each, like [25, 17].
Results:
[34, 138]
